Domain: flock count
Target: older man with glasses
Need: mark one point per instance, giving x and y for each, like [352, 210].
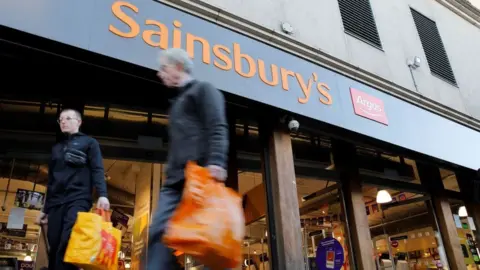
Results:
[76, 166]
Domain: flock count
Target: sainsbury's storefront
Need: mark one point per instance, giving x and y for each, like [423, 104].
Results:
[134, 31]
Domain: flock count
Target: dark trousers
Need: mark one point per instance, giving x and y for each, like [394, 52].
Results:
[61, 219]
[161, 257]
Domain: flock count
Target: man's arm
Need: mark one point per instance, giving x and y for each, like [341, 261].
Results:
[42, 216]
[97, 171]
[212, 111]
[51, 165]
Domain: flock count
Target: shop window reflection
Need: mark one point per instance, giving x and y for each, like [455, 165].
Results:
[21, 115]
[22, 188]
[449, 180]
[120, 114]
[255, 250]
[19, 106]
[323, 228]
[159, 119]
[467, 234]
[373, 162]
[92, 111]
[324, 233]
[255, 246]
[245, 129]
[93, 120]
[404, 232]
[51, 109]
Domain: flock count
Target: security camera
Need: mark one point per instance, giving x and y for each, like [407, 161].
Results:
[292, 124]
[414, 62]
[417, 61]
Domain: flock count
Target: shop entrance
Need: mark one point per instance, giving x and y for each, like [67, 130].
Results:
[133, 190]
[404, 231]
[130, 135]
[324, 229]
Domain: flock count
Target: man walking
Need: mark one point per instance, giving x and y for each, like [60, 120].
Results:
[198, 131]
[76, 166]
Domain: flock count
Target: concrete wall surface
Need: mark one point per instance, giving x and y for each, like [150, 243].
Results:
[319, 25]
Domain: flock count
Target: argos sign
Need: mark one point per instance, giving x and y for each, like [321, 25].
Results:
[368, 106]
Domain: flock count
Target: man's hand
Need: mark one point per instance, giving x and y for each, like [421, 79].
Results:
[103, 203]
[197, 191]
[217, 172]
[41, 219]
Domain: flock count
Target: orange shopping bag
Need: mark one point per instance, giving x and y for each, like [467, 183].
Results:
[94, 242]
[212, 230]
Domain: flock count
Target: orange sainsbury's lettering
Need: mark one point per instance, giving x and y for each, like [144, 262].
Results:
[160, 35]
[205, 47]
[222, 52]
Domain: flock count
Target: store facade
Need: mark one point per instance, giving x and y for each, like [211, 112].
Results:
[354, 126]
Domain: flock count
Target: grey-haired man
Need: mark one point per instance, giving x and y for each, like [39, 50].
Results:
[198, 131]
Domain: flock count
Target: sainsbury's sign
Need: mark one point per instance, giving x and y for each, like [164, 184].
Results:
[226, 57]
[368, 106]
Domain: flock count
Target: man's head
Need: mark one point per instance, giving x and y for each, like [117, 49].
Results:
[175, 66]
[70, 121]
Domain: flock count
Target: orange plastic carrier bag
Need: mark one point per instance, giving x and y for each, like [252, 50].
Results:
[94, 242]
[211, 230]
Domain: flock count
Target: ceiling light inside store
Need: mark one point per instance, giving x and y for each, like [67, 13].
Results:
[383, 197]
[462, 211]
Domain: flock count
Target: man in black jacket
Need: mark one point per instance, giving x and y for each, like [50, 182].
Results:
[76, 166]
[198, 131]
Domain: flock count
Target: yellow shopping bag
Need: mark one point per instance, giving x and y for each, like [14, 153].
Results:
[94, 242]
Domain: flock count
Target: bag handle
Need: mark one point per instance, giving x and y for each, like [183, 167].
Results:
[104, 214]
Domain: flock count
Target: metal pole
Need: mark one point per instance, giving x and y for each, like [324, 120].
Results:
[413, 78]
[248, 257]
[263, 250]
[305, 244]
[8, 184]
[390, 254]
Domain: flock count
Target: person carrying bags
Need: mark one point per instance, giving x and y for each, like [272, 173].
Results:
[75, 168]
[198, 136]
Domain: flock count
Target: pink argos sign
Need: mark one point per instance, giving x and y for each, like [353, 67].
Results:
[368, 106]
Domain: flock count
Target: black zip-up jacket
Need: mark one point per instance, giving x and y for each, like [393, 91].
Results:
[198, 129]
[68, 183]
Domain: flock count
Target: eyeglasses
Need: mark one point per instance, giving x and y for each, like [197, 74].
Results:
[68, 118]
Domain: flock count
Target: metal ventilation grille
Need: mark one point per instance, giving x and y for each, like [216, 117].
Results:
[433, 47]
[358, 20]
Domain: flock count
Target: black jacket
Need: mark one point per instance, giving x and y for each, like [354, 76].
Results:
[67, 183]
[198, 129]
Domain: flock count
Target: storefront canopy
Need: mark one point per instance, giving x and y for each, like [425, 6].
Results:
[135, 31]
